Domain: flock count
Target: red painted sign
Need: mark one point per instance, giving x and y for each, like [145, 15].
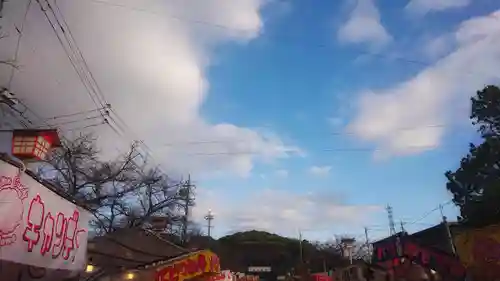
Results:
[58, 236]
[38, 227]
[192, 266]
[321, 277]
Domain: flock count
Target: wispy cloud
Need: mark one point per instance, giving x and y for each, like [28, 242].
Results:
[431, 97]
[284, 212]
[320, 171]
[364, 26]
[422, 7]
[439, 46]
[281, 173]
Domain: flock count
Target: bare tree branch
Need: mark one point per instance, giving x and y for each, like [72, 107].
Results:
[120, 192]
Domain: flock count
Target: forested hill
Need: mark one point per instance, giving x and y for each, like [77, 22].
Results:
[259, 248]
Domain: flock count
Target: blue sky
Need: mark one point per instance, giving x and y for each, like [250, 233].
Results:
[288, 115]
[296, 76]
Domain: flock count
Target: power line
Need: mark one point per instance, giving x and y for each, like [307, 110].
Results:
[18, 44]
[84, 127]
[232, 29]
[428, 213]
[121, 125]
[171, 16]
[93, 87]
[83, 71]
[71, 122]
[74, 114]
[67, 49]
[229, 153]
[68, 35]
[339, 133]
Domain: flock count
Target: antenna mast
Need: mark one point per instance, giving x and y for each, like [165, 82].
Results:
[392, 227]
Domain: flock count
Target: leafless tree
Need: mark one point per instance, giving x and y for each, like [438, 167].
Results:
[120, 193]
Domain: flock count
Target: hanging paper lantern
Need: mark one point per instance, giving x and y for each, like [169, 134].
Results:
[34, 144]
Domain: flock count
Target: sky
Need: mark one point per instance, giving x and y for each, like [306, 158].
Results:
[289, 116]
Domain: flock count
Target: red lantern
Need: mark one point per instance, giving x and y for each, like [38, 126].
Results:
[34, 144]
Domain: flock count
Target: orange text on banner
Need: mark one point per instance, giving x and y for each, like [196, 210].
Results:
[192, 266]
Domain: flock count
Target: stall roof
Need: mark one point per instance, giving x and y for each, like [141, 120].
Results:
[130, 249]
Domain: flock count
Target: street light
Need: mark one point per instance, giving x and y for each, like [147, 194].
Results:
[209, 218]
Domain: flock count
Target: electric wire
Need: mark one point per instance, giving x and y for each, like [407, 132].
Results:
[338, 133]
[123, 128]
[93, 90]
[428, 213]
[76, 49]
[121, 125]
[68, 53]
[18, 44]
[73, 114]
[295, 43]
[84, 127]
[71, 122]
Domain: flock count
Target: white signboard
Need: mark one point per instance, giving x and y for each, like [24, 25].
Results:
[259, 269]
[38, 227]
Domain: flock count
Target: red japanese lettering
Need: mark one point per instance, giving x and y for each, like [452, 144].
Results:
[202, 262]
[69, 239]
[34, 222]
[161, 275]
[214, 263]
[191, 266]
[179, 268]
[59, 234]
[48, 234]
[170, 274]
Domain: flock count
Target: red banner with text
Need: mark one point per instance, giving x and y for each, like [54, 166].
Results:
[197, 264]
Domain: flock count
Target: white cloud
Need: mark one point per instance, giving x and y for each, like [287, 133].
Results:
[283, 211]
[152, 68]
[364, 26]
[431, 97]
[281, 173]
[320, 171]
[422, 7]
[438, 46]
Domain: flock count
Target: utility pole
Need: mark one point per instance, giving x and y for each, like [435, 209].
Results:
[448, 231]
[1, 7]
[300, 247]
[186, 192]
[209, 218]
[368, 245]
[392, 228]
[402, 226]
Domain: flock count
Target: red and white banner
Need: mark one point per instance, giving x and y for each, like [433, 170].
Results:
[38, 227]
